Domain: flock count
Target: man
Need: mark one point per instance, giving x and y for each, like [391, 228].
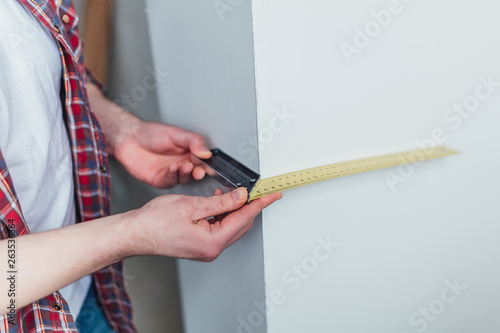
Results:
[48, 183]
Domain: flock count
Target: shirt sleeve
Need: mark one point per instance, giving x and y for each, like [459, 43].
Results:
[90, 78]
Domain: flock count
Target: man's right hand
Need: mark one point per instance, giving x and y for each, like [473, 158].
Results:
[177, 225]
[170, 225]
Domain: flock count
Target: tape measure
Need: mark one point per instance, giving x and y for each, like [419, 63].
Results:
[233, 174]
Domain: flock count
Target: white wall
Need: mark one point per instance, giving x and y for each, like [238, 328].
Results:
[403, 237]
[397, 245]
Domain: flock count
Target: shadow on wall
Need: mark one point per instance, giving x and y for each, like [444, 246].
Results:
[151, 281]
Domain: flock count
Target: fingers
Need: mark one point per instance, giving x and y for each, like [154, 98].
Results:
[171, 176]
[239, 222]
[182, 174]
[185, 173]
[198, 173]
[192, 142]
[200, 168]
[200, 150]
[220, 204]
[219, 217]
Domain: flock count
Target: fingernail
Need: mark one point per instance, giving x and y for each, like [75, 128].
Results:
[205, 148]
[237, 194]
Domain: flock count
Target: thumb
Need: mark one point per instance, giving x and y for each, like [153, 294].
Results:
[220, 204]
[192, 142]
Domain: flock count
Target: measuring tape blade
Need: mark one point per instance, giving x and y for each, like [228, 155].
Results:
[233, 174]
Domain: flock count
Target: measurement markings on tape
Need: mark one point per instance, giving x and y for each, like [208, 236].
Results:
[231, 173]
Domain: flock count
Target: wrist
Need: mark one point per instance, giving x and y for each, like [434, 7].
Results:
[118, 128]
[116, 123]
[124, 234]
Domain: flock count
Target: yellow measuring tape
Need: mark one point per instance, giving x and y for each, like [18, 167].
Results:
[314, 175]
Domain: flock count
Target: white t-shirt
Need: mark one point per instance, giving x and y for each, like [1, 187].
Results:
[33, 137]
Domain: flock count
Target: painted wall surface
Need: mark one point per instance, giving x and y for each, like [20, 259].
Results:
[151, 281]
[409, 249]
[400, 250]
[210, 90]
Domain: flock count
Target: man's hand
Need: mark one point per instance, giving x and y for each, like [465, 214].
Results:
[170, 225]
[160, 155]
[177, 226]
[157, 154]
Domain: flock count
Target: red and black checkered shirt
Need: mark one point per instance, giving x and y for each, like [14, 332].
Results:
[92, 182]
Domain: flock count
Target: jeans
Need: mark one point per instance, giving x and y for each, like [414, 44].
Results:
[91, 318]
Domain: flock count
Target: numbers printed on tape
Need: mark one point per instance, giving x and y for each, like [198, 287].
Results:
[313, 175]
[233, 174]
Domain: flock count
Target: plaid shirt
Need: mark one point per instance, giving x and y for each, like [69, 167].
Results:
[92, 183]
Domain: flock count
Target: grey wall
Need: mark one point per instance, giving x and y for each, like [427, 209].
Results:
[211, 90]
[151, 281]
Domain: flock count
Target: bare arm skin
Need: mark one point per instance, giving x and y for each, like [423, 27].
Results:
[169, 225]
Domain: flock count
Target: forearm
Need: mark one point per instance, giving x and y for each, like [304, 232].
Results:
[48, 261]
[169, 225]
[115, 121]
